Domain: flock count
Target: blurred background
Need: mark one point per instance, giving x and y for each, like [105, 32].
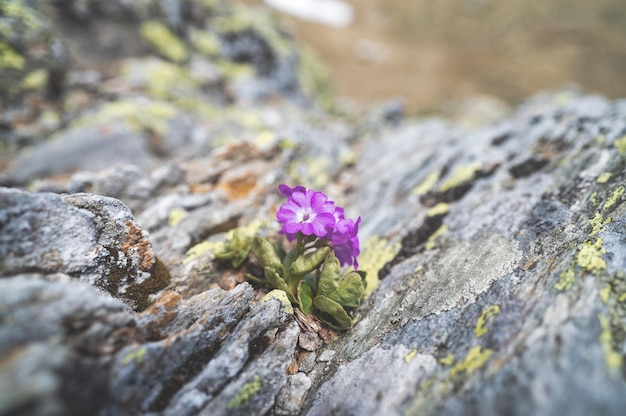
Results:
[436, 54]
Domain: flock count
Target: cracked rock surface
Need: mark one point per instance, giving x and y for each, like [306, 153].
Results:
[496, 258]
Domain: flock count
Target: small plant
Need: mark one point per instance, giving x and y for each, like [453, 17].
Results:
[311, 272]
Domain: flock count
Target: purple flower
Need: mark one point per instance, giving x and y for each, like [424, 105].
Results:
[306, 211]
[345, 241]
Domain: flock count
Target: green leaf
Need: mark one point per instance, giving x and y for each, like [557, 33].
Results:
[329, 278]
[332, 313]
[307, 263]
[255, 279]
[349, 291]
[305, 296]
[265, 252]
[275, 280]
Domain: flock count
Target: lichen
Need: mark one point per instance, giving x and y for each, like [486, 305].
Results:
[462, 175]
[439, 209]
[206, 43]
[605, 293]
[164, 41]
[137, 356]
[432, 240]
[620, 145]
[481, 326]
[427, 184]
[475, 359]
[314, 78]
[447, 360]
[598, 224]
[589, 256]
[604, 177]
[176, 215]
[311, 172]
[247, 392]
[410, 356]
[612, 358]
[141, 116]
[9, 58]
[375, 253]
[614, 198]
[566, 279]
[35, 80]
[281, 296]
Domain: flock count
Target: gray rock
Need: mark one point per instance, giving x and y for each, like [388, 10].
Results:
[86, 236]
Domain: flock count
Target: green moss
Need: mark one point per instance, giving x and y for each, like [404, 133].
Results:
[604, 178]
[427, 184]
[462, 175]
[614, 198]
[137, 356]
[375, 253]
[247, 392]
[566, 279]
[620, 145]
[439, 209]
[612, 358]
[164, 41]
[432, 240]
[9, 58]
[281, 296]
[475, 359]
[589, 256]
[35, 80]
[481, 326]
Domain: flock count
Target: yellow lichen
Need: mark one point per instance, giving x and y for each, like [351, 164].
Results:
[439, 209]
[462, 175]
[202, 248]
[612, 358]
[447, 360]
[614, 198]
[427, 184]
[9, 58]
[475, 358]
[35, 80]
[566, 279]
[594, 198]
[605, 293]
[232, 70]
[311, 172]
[622, 297]
[247, 392]
[589, 256]
[598, 224]
[604, 178]
[281, 296]
[137, 355]
[620, 145]
[176, 215]
[409, 357]
[314, 78]
[432, 240]
[481, 326]
[164, 41]
[375, 253]
[169, 81]
[205, 42]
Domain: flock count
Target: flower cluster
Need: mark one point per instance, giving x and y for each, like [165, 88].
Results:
[310, 217]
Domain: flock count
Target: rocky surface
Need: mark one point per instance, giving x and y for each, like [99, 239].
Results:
[495, 257]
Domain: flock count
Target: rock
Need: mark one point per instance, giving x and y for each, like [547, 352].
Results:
[90, 237]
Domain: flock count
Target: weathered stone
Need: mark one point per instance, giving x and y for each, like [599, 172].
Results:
[86, 236]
